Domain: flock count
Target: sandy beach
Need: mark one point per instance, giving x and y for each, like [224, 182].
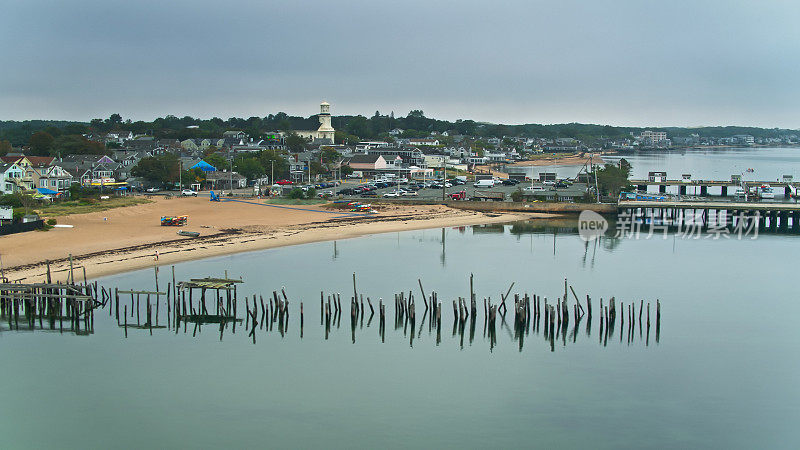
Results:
[124, 239]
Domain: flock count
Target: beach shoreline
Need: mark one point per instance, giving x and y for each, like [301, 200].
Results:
[95, 249]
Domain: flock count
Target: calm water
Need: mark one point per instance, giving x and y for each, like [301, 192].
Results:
[723, 373]
[709, 164]
[717, 164]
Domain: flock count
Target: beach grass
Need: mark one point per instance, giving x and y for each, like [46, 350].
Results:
[84, 206]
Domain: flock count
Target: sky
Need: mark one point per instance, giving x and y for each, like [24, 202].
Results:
[623, 62]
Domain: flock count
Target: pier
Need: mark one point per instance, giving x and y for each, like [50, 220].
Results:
[723, 188]
[766, 216]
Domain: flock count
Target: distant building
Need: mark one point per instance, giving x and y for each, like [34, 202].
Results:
[235, 134]
[325, 133]
[745, 139]
[428, 142]
[366, 145]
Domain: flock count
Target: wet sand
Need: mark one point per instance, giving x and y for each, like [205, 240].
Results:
[125, 239]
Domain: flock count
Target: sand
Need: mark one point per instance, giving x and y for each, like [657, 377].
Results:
[125, 239]
[554, 161]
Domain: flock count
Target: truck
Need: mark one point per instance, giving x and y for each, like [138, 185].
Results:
[485, 196]
[461, 195]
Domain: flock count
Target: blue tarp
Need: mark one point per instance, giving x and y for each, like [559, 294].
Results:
[204, 166]
[45, 191]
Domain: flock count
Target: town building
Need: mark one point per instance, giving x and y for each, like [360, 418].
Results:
[325, 134]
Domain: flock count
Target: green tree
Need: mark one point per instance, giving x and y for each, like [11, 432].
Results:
[329, 155]
[273, 162]
[249, 167]
[359, 126]
[41, 143]
[295, 143]
[611, 179]
[218, 161]
[5, 147]
[75, 144]
[345, 138]
[346, 170]
[161, 169]
[317, 168]
[114, 119]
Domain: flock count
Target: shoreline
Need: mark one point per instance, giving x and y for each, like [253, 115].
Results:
[110, 260]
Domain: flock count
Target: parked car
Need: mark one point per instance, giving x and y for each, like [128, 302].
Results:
[509, 182]
[283, 182]
[391, 194]
[153, 189]
[347, 191]
[188, 193]
[410, 194]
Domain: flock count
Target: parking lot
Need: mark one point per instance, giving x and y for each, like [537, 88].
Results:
[412, 191]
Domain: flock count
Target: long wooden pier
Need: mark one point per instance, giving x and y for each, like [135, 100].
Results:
[766, 216]
[704, 185]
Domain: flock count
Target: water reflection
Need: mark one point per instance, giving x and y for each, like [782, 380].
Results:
[176, 312]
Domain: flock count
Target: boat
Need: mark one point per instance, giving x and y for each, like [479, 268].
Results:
[188, 233]
[765, 191]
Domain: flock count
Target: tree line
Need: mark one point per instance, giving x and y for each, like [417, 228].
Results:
[350, 129]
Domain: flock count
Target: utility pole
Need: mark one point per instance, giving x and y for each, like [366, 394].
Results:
[591, 161]
[272, 173]
[231, 173]
[444, 177]
[180, 174]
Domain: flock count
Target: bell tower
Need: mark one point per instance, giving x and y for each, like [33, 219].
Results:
[325, 130]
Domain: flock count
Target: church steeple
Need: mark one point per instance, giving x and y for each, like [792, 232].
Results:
[325, 130]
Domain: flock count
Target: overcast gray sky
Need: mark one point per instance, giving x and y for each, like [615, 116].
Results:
[623, 62]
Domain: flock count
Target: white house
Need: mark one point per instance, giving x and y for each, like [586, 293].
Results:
[423, 141]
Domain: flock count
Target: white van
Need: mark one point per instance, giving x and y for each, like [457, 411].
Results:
[484, 183]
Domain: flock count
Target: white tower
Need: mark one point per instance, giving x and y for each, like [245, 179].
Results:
[325, 130]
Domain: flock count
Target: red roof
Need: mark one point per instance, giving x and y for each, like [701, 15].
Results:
[36, 161]
[10, 159]
[41, 161]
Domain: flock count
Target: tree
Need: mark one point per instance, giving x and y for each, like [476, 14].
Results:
[517, 195]
[295, 142]
[218, 161]
[41, 143]
[317, 168]
[75, 144]
[329, 155]
[114, 119]
[192, 176]
[346, 170]
[5, 147]
[359, 126]
[161, 169]
[249, 167]
[345, 138]
[274, 163]
[611, 179]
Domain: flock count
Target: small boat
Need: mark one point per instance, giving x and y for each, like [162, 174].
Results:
[765, 191]
[189, 233]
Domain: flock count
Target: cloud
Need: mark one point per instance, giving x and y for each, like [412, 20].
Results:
[628, 62]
